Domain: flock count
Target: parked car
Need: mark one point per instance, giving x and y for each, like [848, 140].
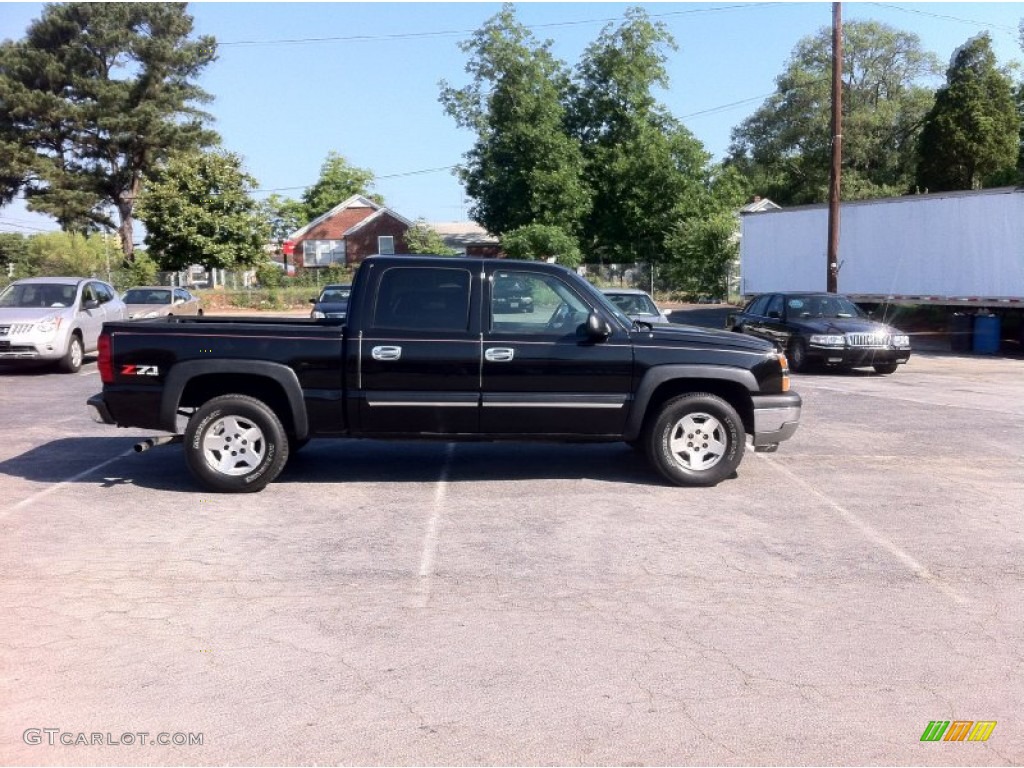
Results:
[55, 319]
[160, 301]
[637, 304]
[510, 296]
[823, 328]
[331, 303]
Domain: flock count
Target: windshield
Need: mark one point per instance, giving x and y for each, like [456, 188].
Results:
[822, 306]
[138, 296]
[335, 295]
[29, 295]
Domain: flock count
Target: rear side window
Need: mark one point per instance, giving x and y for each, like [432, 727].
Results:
[423, 299]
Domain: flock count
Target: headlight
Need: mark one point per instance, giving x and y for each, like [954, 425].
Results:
[828, 340]
[901, 340]
[49, 324]
[317, 314]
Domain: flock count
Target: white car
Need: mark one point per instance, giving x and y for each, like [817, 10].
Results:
[56, 319]
[637, 304]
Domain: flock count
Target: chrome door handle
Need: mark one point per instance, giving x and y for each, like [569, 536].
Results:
[499, 354]
[386, 353]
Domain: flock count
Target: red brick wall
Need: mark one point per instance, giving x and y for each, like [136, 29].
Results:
[487, 251]
[363, 243]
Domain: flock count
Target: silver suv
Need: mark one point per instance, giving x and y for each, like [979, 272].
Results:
[55, 318]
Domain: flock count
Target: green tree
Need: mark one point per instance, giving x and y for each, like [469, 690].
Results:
[542, 241]
[94, 97]
[421, 238]
[785, 147]
[338, 181]
[523, 168]
[643, 166]
[198, 210]
[705, 249]
[973, 130]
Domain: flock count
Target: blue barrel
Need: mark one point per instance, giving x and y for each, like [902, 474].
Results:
[986, 334]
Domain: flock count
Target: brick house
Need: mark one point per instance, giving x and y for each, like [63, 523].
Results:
[348, 233]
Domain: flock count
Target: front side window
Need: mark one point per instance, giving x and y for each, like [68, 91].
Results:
[535, 303]
[103, 292]
[423, 299]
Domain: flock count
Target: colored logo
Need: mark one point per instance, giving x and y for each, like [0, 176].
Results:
[958, 730]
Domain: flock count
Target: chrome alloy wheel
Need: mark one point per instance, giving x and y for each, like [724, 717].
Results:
[234, 446]
[698, 441]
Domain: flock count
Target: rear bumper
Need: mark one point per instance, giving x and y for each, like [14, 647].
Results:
[776, 417]
[98, 409]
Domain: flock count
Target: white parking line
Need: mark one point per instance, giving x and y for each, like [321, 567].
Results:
[54, 488]
[429, 554]
[870, 533]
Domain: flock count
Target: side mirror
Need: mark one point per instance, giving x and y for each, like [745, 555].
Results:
[90, 304]
[597, 327]
[312, 301]
[774, 315]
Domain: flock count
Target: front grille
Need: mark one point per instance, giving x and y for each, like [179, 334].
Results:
[868, 339]
[16, 328]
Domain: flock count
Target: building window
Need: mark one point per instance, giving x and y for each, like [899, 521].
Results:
[386, 245]
[322, 253]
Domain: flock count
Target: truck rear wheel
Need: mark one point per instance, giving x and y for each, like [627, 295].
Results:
[696, 439]
[235, 444]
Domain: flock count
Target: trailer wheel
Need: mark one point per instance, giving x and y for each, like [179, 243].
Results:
[235, 444]
[696, 439]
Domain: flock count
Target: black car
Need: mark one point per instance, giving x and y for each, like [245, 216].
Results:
[332, 302]
[823, 328]
[511, 295]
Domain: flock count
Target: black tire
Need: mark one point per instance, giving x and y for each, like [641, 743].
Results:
[235, 444]
[199, 313]
[696, 439]
[886, 369]
[796, 354]
[72, 360]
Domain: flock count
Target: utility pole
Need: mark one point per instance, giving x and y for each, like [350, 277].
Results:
[836, 175]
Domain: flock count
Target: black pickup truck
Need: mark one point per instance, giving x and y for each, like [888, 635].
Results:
[426, 354]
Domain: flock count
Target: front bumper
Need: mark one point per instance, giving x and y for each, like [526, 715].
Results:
[26, 350]
[854, 357]
[776, 418]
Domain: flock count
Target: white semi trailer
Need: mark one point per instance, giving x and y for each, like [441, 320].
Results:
[954, 248]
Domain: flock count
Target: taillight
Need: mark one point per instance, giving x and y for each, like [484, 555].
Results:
[105, 363]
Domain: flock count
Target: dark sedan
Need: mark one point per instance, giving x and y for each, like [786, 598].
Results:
[332, 302]
[824, 329]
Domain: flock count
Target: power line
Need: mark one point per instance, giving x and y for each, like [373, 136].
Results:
[974, 22]
[453, 32]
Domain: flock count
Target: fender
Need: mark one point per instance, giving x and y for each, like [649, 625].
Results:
[182, 373]
[659, 374]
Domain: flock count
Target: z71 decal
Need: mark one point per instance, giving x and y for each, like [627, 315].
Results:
[139, 370]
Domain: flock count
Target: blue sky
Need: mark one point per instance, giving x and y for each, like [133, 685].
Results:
[294, 81]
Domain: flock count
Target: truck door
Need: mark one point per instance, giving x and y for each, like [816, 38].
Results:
[540, 375]
[419, 353]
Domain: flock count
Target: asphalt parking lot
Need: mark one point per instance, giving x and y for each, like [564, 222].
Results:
[432, 603]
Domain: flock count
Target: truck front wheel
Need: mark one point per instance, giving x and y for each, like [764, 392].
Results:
[696, 439]
[235, 444]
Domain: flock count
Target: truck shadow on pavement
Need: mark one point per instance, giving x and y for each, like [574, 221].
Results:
[109, 462]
